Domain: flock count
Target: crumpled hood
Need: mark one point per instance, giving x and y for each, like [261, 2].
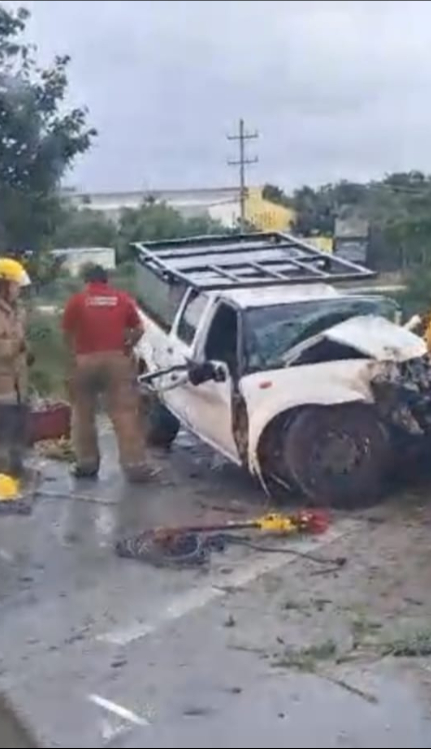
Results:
[338, 381]
[375, 337]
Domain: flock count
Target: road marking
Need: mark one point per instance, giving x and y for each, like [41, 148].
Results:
[244, 574]
[6, 556]
[122, 712]
[110, 733]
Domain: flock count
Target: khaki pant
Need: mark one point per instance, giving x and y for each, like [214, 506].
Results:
[112, 375]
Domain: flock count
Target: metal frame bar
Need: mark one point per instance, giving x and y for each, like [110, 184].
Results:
[157, 255]
[222, 272]
[268, 271]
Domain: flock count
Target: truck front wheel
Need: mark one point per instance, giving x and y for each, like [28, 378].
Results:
[337, 455]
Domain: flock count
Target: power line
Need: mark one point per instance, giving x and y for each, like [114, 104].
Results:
[242, 136]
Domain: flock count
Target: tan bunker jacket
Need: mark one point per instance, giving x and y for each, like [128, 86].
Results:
[13, 366]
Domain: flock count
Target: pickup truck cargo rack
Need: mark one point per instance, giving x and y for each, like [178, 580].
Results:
[244, 261]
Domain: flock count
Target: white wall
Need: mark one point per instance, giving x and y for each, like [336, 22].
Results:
[76, 258]
[227, 213]
[222, 204]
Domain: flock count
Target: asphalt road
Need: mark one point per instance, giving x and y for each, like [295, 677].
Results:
[99, 651]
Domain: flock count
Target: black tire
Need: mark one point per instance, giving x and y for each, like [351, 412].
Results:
[337, 455]
[161, 426]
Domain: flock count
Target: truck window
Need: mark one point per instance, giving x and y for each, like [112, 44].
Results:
[159, 298]
[270, 332]
[191, 316]
[222, 338]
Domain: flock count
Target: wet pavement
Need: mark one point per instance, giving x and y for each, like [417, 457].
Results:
[99, 651]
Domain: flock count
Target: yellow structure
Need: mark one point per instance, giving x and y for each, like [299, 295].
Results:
[265, 215]
[268, 216]
[325, 244]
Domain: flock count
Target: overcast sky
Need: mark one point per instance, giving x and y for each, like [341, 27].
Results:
[336, 89]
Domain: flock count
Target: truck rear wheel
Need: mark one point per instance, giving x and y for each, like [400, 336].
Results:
[337, 455]
[161, 426]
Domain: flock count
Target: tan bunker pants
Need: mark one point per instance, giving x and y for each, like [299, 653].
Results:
[112, 375]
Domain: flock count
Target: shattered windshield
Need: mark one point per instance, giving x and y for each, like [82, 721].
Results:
[270, 332]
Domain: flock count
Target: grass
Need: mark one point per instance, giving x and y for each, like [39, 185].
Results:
[411, 645]
[363, 629]
[307, 658]
[48, 374]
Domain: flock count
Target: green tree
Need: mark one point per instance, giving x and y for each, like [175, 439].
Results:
[39, 136]
[396, 208]
[84, 228]
[276, 195]
[315, 210]
[158, 221]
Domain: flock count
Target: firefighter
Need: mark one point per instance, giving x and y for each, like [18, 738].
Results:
[13, 369]
[101, 327]
[426, 328]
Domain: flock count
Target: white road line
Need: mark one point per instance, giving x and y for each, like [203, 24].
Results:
[244, 574]
[119, 710]
[110, 733]
[6, 556]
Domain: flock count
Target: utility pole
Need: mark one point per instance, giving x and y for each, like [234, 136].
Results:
[242, 136]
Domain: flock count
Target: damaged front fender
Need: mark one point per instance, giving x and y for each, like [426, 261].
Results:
[270, 394]
[402, 393]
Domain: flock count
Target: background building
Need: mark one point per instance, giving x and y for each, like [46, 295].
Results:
[221, 204]
[75, 258]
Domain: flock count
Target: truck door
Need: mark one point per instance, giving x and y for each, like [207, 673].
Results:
[207, 408]
[213, 400]
[176, 389]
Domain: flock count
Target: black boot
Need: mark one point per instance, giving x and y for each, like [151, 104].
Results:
[84, 472]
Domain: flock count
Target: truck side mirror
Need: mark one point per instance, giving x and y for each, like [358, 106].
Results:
[209, 370]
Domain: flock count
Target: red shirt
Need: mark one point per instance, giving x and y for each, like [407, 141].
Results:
[98, 319]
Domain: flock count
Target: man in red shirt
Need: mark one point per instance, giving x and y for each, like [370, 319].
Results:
[101, 326]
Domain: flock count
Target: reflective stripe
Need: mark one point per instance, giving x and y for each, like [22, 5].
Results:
[101, 301]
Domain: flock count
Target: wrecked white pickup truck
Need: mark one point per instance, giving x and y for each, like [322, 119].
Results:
[250, 346]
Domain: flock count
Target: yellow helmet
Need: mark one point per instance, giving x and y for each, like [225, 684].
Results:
[12, 270]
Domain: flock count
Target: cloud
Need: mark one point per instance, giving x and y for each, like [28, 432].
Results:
[336, 89]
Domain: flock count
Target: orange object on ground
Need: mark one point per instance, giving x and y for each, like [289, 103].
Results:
[311, 521]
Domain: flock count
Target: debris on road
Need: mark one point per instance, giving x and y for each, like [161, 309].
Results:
[192, 545]
[230, 621]
[170, 550]
[58, 449]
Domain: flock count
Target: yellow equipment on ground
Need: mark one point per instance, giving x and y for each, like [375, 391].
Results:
[275, 523]
[10, 488]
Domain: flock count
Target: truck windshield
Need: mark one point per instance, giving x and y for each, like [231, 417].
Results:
[270, 332]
